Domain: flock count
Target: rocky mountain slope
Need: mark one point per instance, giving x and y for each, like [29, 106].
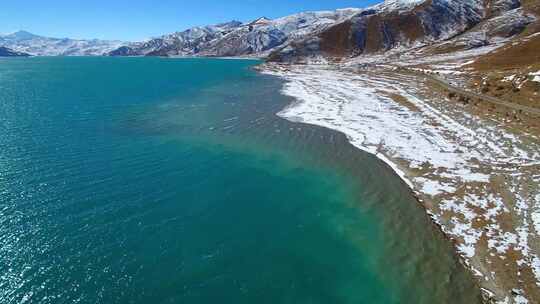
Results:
[183, 43]
[257, 38]
[5, 52]
[439, 26]
[44, 46]
[400, 25]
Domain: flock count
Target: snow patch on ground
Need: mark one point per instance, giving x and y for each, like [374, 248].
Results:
[472, 169]
[536, 76]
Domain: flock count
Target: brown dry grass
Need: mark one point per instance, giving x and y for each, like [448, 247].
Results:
[510, 57]
[400, 100]
[520, 55]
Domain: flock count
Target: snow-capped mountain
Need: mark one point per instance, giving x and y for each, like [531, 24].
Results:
[390, 25]
[263, 36]
[29, 43]
[406, 24]
[237, 39]
[5, 52]
[188, 42]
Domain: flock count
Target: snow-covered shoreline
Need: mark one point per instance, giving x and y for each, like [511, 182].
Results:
[397, 170]
[459, 163]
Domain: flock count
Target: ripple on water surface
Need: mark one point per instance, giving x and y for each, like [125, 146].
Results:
[147, 180]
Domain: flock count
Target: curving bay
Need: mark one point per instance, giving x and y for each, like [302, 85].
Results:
[149, 180]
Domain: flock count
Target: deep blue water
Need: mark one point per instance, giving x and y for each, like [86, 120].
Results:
[149, 180]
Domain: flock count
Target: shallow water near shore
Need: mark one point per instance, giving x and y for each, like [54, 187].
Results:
[149, 180]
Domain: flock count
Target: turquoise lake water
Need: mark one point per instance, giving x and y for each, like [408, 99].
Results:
[150, 180]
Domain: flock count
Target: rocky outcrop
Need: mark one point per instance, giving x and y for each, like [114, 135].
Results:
[5, 52]
[497, 7]
[246, 41]
[124, 51]
[500, 24]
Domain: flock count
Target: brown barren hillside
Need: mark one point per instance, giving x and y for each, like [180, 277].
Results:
[508, 72]
[523, 52]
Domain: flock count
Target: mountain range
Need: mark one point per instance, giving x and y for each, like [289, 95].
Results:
[440, 25]
[403, 25]
[257, 38]
[35, 45]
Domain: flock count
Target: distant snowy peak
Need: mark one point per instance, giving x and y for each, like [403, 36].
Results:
[260, 21]
[187, 42]
[397, 5]
[32, 44]
[315, 18]
[20, 36]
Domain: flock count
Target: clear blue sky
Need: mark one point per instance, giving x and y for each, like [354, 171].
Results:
[139, 19]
